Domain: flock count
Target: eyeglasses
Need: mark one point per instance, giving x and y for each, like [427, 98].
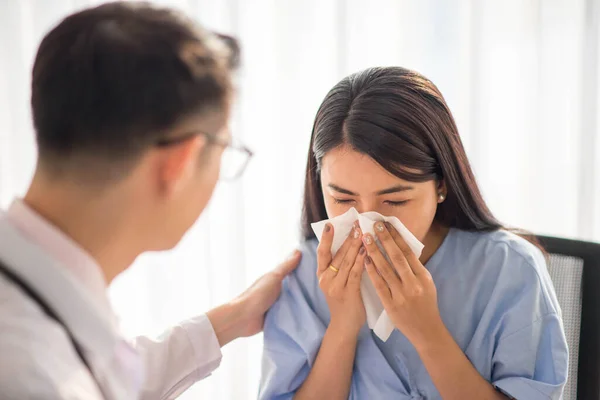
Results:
[235, 156]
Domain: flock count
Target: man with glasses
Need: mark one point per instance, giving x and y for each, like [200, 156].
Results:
[130, 105]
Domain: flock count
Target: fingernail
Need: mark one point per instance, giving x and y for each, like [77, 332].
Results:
[361, 251]
[356, 233]
[368, 260]
[380, 227]
[368, 239]
[389, 226]
[327, 228]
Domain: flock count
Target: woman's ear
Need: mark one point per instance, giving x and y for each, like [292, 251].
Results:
[442, 191]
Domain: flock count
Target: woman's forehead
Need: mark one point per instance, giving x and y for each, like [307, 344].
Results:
[357, 172]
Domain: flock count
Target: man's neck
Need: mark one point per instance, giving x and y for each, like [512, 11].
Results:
[97, 222]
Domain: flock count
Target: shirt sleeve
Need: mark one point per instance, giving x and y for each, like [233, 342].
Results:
[530, 360]
[538, 370]
[294, 329]
[180, 357]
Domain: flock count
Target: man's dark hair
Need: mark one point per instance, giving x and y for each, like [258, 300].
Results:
[109, 81]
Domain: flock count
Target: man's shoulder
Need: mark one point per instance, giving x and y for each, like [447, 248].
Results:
[34, 373]
[26, 364]
[23, 375]
[37, 359]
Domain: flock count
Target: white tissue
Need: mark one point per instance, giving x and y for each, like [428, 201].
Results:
[377, 317]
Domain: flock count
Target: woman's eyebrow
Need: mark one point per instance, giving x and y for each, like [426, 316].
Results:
[394, 189]
[390, 190]
[341, 190]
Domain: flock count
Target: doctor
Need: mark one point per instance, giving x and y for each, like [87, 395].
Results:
[130, 105]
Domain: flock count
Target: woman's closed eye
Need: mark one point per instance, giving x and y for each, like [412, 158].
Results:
[391, 203]
[343, 201]
[395, 203]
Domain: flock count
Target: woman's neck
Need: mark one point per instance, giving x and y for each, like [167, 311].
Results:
[433, 240]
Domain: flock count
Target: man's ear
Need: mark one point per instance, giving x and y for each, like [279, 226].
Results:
[178, 163]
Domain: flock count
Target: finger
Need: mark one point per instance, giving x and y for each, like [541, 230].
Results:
[341, 253]
[380, 263]
[382, 288]
[290, 264]
[327, 277]
[356, 272]
[396, 256]
[346, 264]
[411, 257]
[328, 273]
[324, 249]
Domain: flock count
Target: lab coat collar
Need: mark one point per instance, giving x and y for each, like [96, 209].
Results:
[92, 327]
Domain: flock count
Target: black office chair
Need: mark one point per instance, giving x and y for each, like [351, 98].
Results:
[575, 270]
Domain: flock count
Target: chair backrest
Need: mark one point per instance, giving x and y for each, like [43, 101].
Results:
[574, 267]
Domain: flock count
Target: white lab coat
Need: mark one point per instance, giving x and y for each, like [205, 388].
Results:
[37, 356]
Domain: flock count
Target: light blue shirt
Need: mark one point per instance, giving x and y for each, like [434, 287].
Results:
[495, 297]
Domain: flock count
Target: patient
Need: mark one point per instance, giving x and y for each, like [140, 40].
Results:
[476, 313]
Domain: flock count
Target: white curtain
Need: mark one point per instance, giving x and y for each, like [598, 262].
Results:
[522, 78]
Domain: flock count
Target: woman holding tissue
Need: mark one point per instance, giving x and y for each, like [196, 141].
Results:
[462, 308]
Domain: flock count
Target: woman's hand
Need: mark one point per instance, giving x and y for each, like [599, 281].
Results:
[408, 294]
[405, 288]
[331, 374]
[339, 279]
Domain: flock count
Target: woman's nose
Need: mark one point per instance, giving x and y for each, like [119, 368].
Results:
[367, 206]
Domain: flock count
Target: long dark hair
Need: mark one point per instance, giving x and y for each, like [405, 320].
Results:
[400, 119]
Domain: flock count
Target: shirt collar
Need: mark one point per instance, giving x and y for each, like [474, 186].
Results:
[62, 274]
[62, 248]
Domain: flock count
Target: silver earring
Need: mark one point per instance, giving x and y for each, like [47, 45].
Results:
[441, 197]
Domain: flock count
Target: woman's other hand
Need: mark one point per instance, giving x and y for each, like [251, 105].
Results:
[405, 287]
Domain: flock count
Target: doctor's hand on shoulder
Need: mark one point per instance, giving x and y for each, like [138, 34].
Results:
[244, 316]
